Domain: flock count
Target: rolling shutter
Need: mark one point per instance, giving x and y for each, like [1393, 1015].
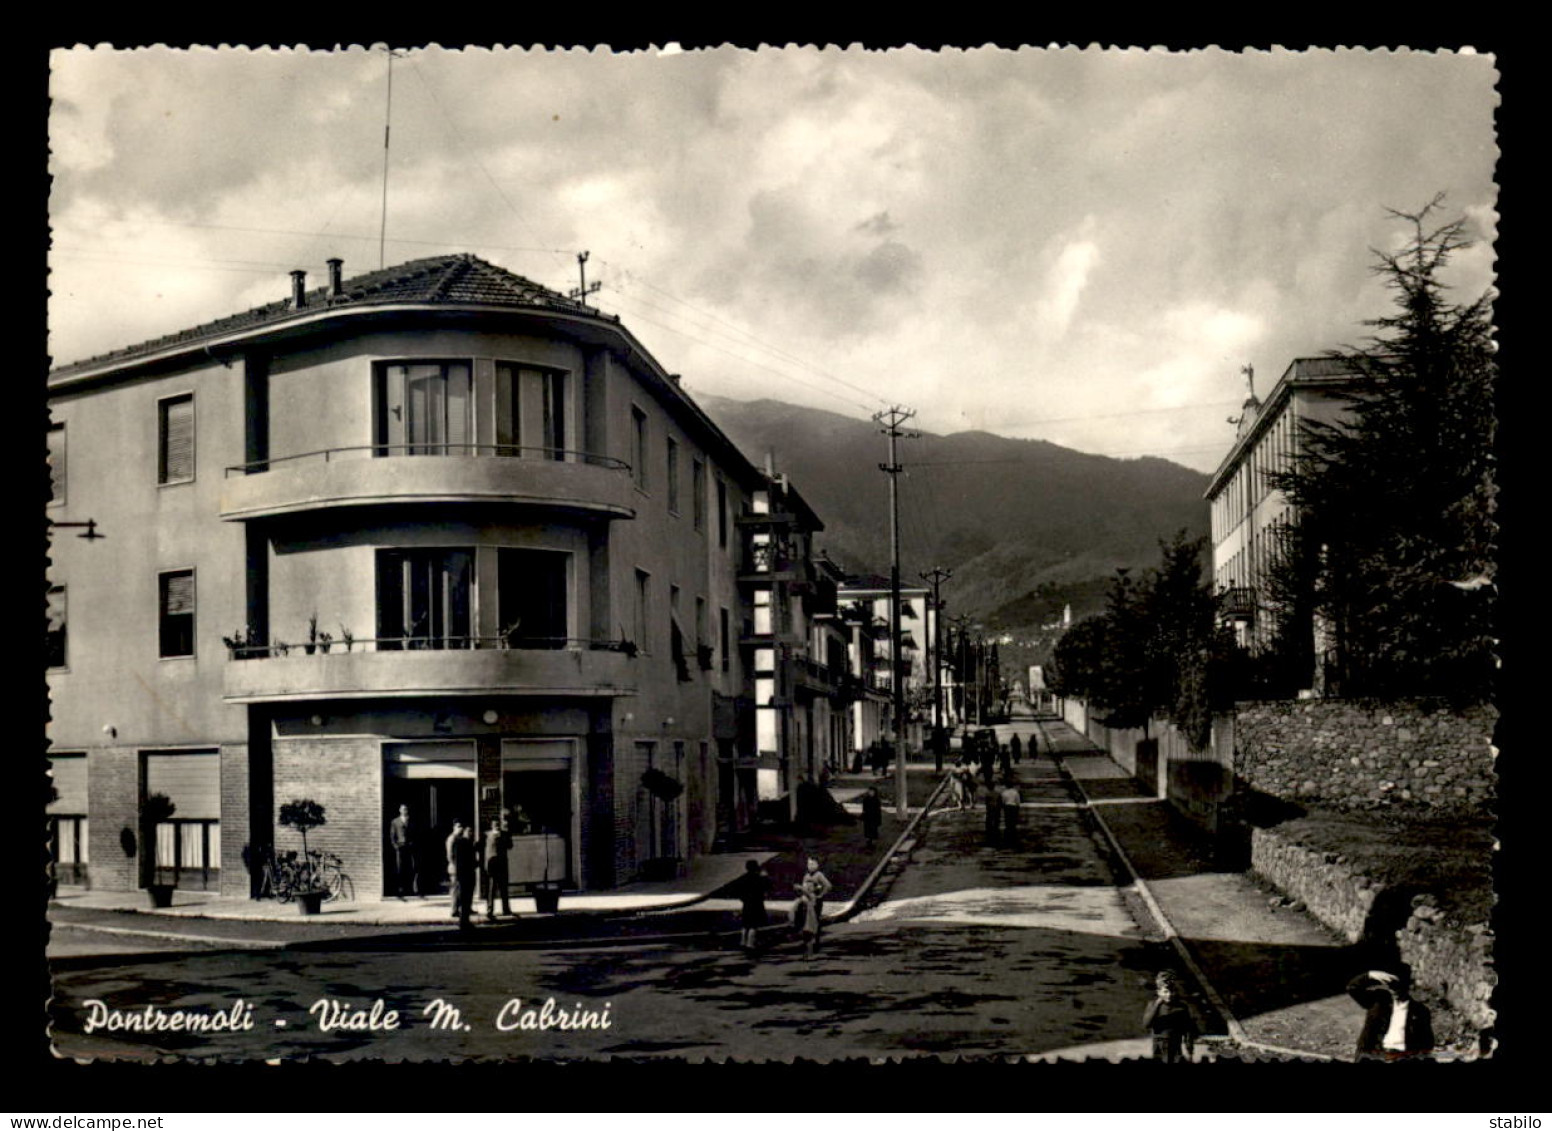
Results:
[69, 772]
[193, 781]
[177, 439]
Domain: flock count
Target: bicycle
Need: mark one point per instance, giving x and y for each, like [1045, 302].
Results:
[288, 873]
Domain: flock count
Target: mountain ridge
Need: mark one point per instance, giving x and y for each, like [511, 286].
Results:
[1026, 525]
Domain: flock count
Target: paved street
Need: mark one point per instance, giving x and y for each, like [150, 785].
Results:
[974, 950]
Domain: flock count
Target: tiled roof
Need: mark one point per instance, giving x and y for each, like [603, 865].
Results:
[461, 279]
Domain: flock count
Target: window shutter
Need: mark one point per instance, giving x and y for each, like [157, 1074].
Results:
[179, 594]
[177, 440]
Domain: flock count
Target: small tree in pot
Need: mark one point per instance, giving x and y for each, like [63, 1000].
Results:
[156, 809]
[302, 815]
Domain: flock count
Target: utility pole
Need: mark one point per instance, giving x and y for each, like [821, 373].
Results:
[891, 418]
[937, 577]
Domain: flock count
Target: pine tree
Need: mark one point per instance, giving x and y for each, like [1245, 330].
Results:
[1395, 545]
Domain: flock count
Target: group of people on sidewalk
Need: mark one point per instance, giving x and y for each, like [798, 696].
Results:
[469, 866]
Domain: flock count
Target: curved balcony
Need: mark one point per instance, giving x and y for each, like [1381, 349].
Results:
[380, 474]
[400, 669]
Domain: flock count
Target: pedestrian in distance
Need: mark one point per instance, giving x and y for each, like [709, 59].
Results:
[993, 812]
[1015, 748]
[1394, 1026]
[461, 868]
[1004, 763]
[1169, 1020]
[401, 838]
[967, 786]
[498, 842]
[1010, 811]
[872, 814]
[751, 889]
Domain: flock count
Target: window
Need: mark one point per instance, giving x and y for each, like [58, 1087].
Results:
[68, 839]
[530, 412]
[425, 409]
[423, 598]
[639, 446]
[673, 475]
[177, 613]
[56, 458]
[58, 657]
[175, 458]
[643, 604]
[531, 598]
[724, 636]
[187, 846]
[722, 515]
[698, 491]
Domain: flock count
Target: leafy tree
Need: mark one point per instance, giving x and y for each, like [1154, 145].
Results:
[1395, 547]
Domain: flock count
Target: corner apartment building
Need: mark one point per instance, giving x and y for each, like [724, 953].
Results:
[1246, 512]
[433, 536]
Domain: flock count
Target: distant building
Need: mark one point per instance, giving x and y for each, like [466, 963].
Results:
[869, 596]
[433, 536]
[1247, 515]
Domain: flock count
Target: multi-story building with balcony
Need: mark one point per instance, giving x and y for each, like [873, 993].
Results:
[1247, 513]
[432, 536]
[795, 641]
[872, 715]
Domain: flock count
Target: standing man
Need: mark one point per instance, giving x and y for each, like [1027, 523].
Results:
[497, 843]
[872, 814]
[1016, 748]
[1394, 1026]
[401, 838]
[460, 871]
[993, 812]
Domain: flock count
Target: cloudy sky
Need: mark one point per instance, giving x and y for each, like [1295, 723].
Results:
[1079, 246]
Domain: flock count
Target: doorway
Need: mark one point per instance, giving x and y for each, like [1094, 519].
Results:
[436, 780]
[539, 800]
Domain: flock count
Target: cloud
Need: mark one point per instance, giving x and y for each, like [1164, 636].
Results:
[998, 238]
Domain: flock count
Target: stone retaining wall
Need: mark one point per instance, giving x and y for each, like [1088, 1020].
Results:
[1352, 755]
[1334, 893]
[1452, 964]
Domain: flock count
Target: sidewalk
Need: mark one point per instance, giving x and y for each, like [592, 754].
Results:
[693, 905]
[1277, 976]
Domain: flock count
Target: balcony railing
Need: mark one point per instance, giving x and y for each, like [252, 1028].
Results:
[1239, 601]
[429, 644]
[369, 451]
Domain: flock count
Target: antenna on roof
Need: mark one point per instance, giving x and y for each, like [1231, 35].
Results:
[581, 293]
[382, 231]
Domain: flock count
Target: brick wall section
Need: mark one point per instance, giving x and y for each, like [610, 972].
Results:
[1356, 755]
[1452, 966]
[345, 776]
[235, 835]
[113, 795]
[1338, 896]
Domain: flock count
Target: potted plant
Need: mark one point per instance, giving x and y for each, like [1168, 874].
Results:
[546, 892]
[301, 815]
[156, 809]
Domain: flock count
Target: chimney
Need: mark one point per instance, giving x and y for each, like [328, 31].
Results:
[299, 289]
[336, 278]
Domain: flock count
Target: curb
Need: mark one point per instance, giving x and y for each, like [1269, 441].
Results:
[854, 906]
[472, 942]
[1182, 950]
